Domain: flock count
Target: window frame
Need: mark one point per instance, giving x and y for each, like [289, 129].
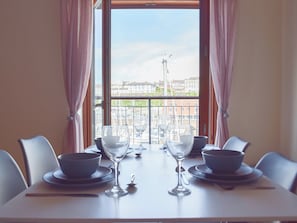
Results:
[206, 118]
[149, 4]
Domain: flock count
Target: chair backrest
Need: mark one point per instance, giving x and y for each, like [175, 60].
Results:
[279, 169]
[236, 143]
[12, 181]
[39, 157]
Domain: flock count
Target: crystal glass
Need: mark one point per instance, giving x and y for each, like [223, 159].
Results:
[179, 143]
[163, 126]
[140, 124]
[115, 141]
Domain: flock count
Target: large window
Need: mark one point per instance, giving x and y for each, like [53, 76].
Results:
[151, 61]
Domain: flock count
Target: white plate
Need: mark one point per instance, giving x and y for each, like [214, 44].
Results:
[100, 173]
[243, 172]
[255, 175]
[49, 178]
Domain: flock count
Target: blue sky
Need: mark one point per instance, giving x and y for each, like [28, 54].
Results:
[142, 38]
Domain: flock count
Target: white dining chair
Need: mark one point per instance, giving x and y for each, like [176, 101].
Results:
[12, 181]
[39, 157]
[236, 143]
[279, 169]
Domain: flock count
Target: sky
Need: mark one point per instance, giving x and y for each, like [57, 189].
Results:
[142, 39]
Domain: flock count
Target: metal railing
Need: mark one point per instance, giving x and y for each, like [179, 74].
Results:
[156, 110]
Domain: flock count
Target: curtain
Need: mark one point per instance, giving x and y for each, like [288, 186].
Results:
[222, 41]
[77, 37]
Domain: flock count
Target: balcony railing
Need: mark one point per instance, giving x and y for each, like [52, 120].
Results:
[156, 110]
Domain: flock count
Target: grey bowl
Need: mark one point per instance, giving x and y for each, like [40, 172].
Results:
[222, 161]
[98, 143]
[198, 145]
[79, 165]
[200, 142]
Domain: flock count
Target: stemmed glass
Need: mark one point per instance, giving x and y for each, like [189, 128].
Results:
[140, 124]
[179, 143]
[115, 143]
[163, 126]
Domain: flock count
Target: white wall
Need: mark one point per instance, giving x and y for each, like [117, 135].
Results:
[263, 104]
[289, 79]
[32, 98]
[255, 96]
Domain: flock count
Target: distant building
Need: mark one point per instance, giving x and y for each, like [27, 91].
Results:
[175, 87]
[141, 87]
[119, 90]
[192, 84]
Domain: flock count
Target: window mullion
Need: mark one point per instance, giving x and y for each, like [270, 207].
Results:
[106, 60]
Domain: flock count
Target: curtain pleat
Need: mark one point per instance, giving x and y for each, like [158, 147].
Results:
[77, 37]
[222, 42]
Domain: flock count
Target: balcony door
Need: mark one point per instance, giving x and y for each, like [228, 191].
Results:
[151, 61]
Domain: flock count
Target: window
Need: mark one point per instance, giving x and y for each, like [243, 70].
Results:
[155, 62]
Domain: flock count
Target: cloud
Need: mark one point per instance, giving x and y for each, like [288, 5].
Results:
[138, 57]
[143, 61]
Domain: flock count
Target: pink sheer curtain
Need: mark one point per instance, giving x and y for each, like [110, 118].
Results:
[76, 25]
[222, 41]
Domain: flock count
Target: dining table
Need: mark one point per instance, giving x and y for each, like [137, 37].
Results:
[153, 174]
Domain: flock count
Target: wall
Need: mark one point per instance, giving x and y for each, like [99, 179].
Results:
[31, 83]
[255, 97]
[263, 103]
[289, 79]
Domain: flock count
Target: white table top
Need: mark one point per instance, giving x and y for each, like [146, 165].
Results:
[150, 200]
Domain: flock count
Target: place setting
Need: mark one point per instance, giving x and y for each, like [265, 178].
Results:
[225, 167]
[79, 170]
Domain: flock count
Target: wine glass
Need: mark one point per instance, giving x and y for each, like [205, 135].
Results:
[115, 142]
[163, 126]
[179, 143]
[140, 124]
